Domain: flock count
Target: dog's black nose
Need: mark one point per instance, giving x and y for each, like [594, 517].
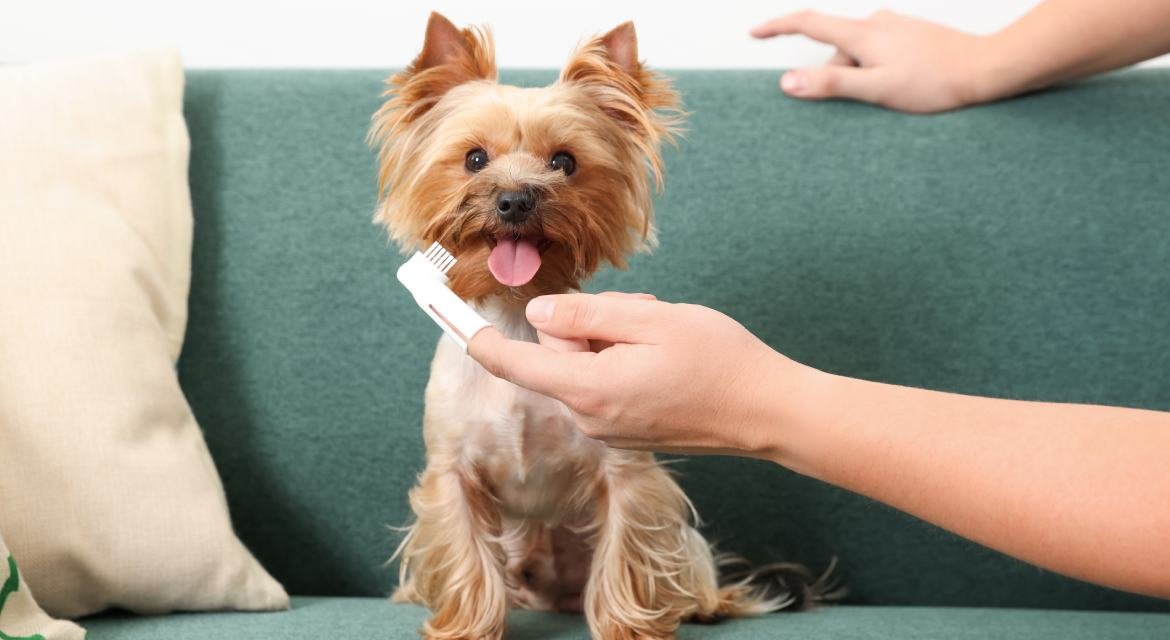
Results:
[515, 206]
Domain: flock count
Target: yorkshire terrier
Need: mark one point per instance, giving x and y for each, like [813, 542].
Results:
[534, 190]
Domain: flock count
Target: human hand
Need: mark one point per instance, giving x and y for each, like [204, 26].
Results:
[642, 374]
[890, 60]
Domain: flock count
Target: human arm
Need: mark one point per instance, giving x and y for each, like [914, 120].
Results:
[1081, 490]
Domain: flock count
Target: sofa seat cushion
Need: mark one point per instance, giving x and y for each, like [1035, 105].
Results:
[376, 618]
[1016, 250]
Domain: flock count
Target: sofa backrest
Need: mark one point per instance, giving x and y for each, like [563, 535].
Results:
[1019, 250]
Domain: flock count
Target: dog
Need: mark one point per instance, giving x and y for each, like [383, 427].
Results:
[534, 190]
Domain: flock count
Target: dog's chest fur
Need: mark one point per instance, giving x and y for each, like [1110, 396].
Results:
[524, 444]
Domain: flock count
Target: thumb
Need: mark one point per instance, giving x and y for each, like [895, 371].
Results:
[562, 344]
[819, 83]
[576, 316]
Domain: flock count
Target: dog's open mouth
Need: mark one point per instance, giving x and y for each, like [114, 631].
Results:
[516, 259]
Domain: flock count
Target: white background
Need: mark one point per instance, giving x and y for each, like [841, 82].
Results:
[386, 33]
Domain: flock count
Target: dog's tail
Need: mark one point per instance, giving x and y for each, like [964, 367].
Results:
[745, 590]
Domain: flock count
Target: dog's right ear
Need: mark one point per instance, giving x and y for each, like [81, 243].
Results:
[470, 49]
[450, 57]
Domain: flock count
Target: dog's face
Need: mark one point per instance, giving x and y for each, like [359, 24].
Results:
[532, 190]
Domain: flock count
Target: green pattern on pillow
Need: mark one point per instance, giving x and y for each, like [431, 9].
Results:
[9, 588]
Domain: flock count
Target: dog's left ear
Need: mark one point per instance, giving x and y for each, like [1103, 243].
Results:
[643, 101]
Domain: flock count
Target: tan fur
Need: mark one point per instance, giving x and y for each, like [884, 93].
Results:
[515, 506]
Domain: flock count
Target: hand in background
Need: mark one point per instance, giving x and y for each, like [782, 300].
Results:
[888, 59]
[917, 66]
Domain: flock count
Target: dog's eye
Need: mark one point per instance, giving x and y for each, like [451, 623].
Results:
[562, 161]
[476, 160]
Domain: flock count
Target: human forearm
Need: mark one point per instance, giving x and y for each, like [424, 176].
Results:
[1064, 39]
[1081, 490]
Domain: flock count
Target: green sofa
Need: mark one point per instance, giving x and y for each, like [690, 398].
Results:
[1020, 249]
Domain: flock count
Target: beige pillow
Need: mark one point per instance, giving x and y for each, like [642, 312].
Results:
[108, 494]
[20, 617]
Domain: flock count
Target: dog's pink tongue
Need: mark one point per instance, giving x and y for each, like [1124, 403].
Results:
[514, 262]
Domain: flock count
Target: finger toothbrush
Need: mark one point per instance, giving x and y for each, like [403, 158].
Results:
[425, 275]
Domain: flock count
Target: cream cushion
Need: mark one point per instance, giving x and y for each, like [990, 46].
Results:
[108, 495]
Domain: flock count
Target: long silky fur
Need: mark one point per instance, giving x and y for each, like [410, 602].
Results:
[453, 510]
[650, 552]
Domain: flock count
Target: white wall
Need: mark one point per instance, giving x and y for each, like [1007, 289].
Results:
[385, 33]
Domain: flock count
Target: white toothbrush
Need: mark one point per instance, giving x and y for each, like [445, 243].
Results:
[425, 275]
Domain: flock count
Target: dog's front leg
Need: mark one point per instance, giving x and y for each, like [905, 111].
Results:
[651, 568]
[452, 561]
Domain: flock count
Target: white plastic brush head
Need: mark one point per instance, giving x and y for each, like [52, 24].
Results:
[440, 257]
[425, 276]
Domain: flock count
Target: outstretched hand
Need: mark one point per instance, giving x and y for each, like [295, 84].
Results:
[639, 373]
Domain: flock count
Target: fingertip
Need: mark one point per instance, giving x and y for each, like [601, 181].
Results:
[481, 343]
[540, 309]
[794, 83]
[838, 81]
[486, 347]
[774, 27]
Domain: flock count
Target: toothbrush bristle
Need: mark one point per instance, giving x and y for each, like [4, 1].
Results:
[440, 257]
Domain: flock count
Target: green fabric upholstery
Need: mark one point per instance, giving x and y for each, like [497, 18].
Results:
[374, 618]
[1017, 250]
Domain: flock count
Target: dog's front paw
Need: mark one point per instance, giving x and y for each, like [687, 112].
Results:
[431, 632]
[618, 632]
